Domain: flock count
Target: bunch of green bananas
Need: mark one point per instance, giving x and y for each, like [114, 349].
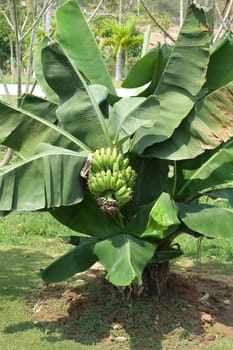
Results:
[111, 176]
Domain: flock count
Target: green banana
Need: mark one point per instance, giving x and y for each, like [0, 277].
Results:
[102, 151]
[94, 167]
[113, 157]
[101, 185]
[124, 197]
[132, 179]
[122, 200]
[113, 181]
[119, 184]
[108, 151]
[114, 152]
[106, 157]
[108, 178]
[130, 175]
[121, 191]
[93, 187]
[126, 162]
[97, 160]
[116, 167]
[120, 161]
[111, 178]
[102, 173]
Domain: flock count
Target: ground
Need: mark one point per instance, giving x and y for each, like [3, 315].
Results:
[196, 311]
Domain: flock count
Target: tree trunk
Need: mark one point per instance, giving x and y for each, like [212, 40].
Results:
[6, 158]
[181, 12]
[154, 284]
[5, 86]
[12, 62]
[155, 278]
[29, 70]
[119, 65]
[126, 64]
[17, 47]
[47, 21]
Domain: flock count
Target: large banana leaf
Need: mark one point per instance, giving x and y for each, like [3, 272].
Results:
[23, 132]
[144, 70]
[49, 179]
[129, 114]
[124, 258]
[210, 221]
[167, 254]
[211, 169]
[80, 45]
[220, 68]
[45, 109]
[162, 216]
[77, 217]
[207, 126]
[210, 122]
[76, 260]
[151, 179]
[137, 223]
[182, 79]
[148, 69]
[223, 193]
[78, 112]
[38, 70]
[39, 106]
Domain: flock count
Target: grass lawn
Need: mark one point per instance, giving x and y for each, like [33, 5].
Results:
[22, 251]
[98, 317]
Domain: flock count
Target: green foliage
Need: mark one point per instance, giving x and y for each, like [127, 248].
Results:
[82, 54]
[119, 37]
[4, 44]
[59, 138]
[26, 20]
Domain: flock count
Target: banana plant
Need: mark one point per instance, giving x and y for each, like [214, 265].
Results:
[128, 175]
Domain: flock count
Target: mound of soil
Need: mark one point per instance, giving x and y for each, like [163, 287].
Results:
[197, 310]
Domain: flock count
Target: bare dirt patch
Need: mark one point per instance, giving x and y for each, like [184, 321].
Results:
[197, 311]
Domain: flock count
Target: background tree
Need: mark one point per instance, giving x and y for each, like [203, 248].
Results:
[21, 20]
[121, 38]
[4, 44]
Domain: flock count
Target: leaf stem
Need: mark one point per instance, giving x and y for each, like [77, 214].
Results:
[120, 219]
[175, 179]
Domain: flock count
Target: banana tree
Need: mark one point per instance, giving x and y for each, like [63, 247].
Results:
[126, 174]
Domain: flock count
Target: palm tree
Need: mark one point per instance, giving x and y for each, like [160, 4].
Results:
[120, 37]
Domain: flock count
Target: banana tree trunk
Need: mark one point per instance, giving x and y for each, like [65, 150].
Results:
[155, 278]
[119, 65]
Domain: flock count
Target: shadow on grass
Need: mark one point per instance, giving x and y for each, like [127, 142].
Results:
[88, 310]
[19, 327]
[19, 276]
